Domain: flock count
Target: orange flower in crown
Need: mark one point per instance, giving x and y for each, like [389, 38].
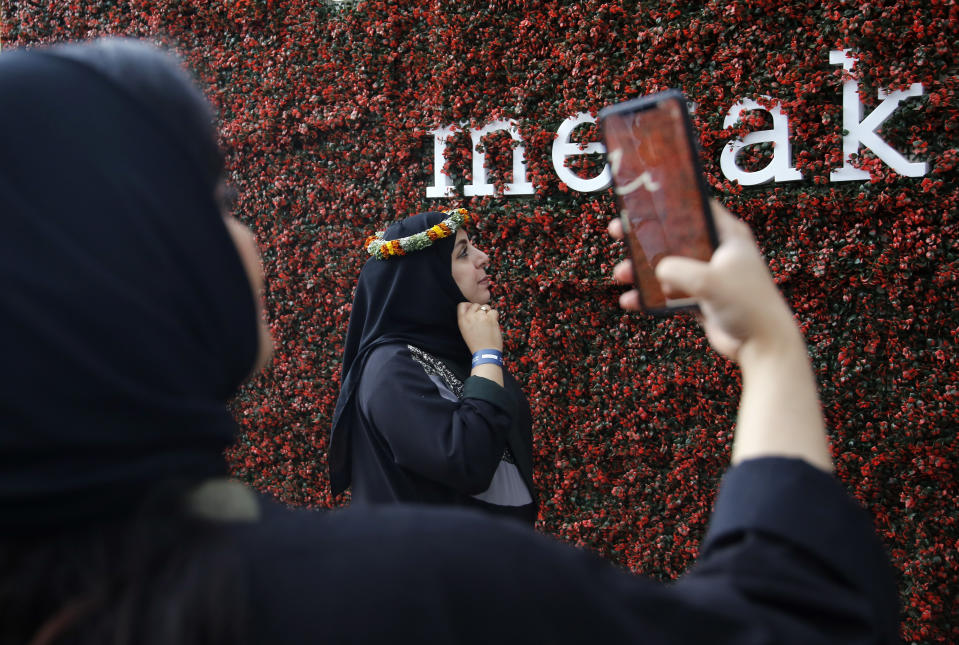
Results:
[385, 249]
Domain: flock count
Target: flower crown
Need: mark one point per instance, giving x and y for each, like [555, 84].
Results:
[385, 249]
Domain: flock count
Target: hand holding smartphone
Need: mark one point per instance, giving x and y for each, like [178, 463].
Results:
[660, 190]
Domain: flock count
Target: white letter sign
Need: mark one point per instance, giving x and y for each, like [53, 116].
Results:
[519, 185]
[863, 131]
[857, 132]
[562, 148]
[779, 168]
[441, 182]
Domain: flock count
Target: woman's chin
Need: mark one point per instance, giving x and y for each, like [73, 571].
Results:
[479, 297]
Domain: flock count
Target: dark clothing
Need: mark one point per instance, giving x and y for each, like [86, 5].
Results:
[127, 320]
[402, 432]
[416, 439]
[788, 558]
[409, 300]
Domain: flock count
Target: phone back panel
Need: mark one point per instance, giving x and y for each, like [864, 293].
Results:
[659, 188]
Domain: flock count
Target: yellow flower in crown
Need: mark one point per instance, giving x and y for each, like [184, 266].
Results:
[385, 249]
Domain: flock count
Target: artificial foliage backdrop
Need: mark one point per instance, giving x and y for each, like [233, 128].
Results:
[326, 111]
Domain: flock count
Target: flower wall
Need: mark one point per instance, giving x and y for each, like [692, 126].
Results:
[326, 115]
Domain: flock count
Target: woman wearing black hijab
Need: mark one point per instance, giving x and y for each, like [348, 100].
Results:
[427, 411]
[128, 317]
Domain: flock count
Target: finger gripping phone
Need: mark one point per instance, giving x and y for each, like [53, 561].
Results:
[660, 189]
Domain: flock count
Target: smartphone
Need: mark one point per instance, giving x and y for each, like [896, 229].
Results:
[660, 189]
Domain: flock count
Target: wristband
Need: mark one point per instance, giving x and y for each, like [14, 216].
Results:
[484, 356]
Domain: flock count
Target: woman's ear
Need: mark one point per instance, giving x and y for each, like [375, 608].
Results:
[253, 265]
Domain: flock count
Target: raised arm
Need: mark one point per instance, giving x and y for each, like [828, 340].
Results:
[788, 553]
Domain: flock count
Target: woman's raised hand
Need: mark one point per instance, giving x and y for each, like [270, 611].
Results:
[479, 325]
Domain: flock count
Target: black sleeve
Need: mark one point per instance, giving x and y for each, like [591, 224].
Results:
[790, 550]
[396, 574]
[458, 443]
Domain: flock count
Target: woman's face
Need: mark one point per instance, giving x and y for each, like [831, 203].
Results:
[469, 269]
[250, 255]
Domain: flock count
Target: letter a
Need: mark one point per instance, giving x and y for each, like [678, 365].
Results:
[779, 168]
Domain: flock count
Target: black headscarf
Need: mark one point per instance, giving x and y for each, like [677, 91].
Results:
[409, 299]
[126, 317]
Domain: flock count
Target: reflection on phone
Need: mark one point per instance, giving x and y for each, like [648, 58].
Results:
[645, 180]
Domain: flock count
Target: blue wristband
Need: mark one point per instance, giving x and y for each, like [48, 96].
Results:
[484, 356]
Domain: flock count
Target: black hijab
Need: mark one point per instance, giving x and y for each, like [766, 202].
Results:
[126, 317]
[409, 299]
